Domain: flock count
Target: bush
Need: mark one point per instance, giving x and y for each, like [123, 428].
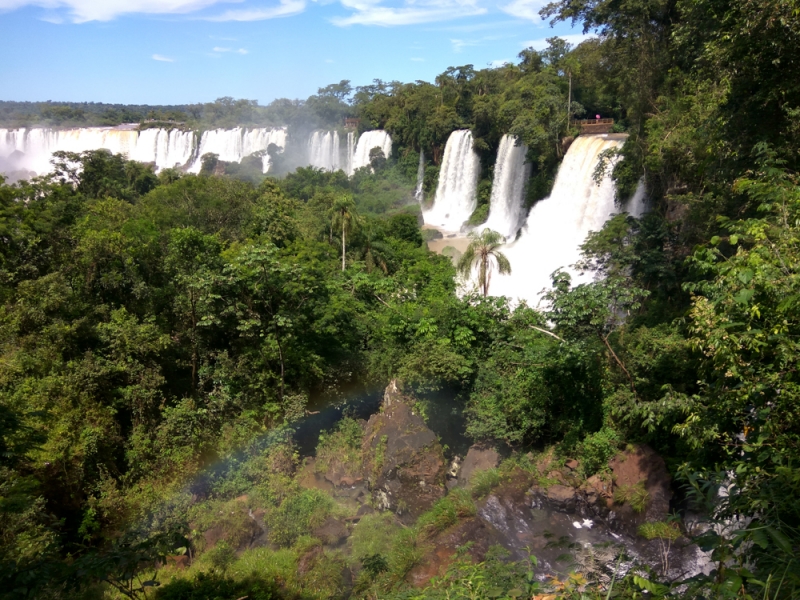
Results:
[484, 482]
[635, 495]
[446, 512]
[342, 445]
[373, 535]
[206, 586]
[298, 514]
[597, 449]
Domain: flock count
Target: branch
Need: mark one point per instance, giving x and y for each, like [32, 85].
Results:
[550, 333]
[619, 362]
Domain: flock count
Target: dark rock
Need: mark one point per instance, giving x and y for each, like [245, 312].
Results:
[479, 458]
[332, 532]
[404, 461]
[562, 497]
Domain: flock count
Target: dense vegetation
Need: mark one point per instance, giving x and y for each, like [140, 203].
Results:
[152, 325]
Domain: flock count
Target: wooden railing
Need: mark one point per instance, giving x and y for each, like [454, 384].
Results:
[594, 125]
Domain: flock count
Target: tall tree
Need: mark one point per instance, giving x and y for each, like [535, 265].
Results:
[483, 253]
[344, 215]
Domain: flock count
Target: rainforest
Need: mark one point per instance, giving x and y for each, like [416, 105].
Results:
[527, 331]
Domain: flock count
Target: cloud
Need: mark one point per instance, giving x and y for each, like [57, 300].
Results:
[406, 12]
[573, 38]
[82, 11]
[459, 45]
[286, 8]
[525, 9]
[239, 51]
[495, 64]
[161, 58]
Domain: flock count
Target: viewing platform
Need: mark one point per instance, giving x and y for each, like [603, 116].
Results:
[589, 126]
[352, 123]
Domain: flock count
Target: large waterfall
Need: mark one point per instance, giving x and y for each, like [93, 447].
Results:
[511, 174]
[559, 224]
[323, 150]
[351, 148]
[232, 145]
[456, 193]
[369, 140]
[419, 194]
[32, 149]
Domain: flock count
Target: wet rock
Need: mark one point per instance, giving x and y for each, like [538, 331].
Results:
[562, 497]
[479, 458]
[572, 464]
[332, 532]
[404, 462]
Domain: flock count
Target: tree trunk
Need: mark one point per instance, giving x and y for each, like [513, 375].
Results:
[343, 242]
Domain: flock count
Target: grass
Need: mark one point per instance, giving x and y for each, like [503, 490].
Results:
[373, 535]
[298, 515]
[635, 495]
[484, 482]
[342, 445]
[446, 512]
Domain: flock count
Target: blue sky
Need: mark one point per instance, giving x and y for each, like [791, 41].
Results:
[184, 51]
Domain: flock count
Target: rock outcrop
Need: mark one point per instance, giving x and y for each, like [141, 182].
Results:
[404, 463]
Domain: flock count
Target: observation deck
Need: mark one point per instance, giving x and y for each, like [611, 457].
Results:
[589, 126]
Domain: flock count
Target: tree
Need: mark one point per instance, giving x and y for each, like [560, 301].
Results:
[344, 215]
[483, 252]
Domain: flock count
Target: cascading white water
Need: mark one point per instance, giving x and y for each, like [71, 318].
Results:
[419, 195]
[165, 148]
[559, 224]
[511, 174]
[324, 151]
[232, 145]
[351, 148]
[456, 193]
[369, 140]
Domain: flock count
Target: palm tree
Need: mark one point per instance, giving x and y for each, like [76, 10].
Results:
[343, 213]
[375, 252]
[483, 253]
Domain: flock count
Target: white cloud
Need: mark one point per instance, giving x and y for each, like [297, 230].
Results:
[459, 45]
[161, 58]
[525, 9]
[499, 63]
[573, 38]
[406, 12]
[221, 49]
[81, 11]
[286, 8]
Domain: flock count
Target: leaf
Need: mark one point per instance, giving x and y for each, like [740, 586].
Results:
[734, 239]
[715, 240]
[780, 540]
[759, 538]
[745, 276]
[744, 296]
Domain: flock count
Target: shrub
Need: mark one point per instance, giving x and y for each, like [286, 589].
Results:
[635, 495]
[484, 482]
[597, 449]
[298, 514]
[342, 445]
[446, 512]
[373, 535]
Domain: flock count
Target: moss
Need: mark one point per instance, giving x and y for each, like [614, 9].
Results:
[479, 215]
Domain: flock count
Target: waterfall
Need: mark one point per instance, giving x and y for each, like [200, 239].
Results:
[456, 193]
[511, 174]
[351, 148]
[369, 140]
[559, 224]
[232, 145]
[324, 151]
[419, 195]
